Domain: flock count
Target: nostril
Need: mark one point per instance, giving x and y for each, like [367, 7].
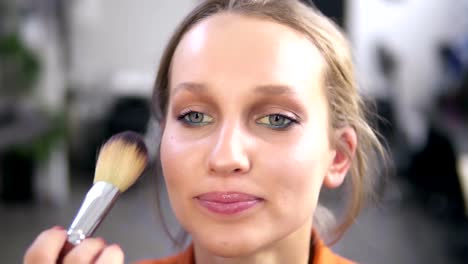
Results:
[237, 170]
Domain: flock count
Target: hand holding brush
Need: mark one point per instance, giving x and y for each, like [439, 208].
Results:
[121, 161]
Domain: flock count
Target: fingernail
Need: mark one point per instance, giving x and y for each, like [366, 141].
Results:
[102, 240]
[116, 246]
[58, 228]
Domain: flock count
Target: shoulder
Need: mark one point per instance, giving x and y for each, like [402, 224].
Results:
[326, 256]
[341, 260]
[323, 254]
[185, 257]
[169, 260]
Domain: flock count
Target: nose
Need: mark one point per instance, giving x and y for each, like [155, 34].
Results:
[229, 155]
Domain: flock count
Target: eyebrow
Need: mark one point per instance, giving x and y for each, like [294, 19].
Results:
[269, 89]
[190, 87]
[274, 89]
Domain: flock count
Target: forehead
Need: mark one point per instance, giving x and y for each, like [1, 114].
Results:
[249, 51]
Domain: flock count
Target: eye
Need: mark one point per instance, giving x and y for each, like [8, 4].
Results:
[193, 118]
[276, 121]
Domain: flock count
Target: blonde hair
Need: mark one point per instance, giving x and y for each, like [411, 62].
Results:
[346, 107]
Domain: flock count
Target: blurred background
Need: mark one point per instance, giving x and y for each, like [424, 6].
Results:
[73, 73]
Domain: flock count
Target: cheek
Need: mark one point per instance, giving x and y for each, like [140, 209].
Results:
[177, 153]
[182, 162]
[176, 158]
[300, 173]
[175, 161]
[170, 153]
[302, 179]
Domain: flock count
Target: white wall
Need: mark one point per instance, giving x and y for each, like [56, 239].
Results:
[413, 29]
[121, 37]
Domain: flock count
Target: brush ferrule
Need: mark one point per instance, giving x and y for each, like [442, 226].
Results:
[97, 203]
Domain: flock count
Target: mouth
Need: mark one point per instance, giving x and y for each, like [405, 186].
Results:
[228, 203]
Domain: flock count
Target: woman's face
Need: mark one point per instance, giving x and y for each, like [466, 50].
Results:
[245, 147]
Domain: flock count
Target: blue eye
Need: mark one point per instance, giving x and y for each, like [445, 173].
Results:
[194, 118]
[276, 121]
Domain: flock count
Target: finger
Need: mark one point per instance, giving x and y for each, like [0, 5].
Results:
[46, 247]
[86, 252]
[111, 254]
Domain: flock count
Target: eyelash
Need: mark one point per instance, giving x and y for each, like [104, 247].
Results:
[290, 120]
[182, 118]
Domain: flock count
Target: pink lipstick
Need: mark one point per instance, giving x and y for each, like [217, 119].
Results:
[228, 203]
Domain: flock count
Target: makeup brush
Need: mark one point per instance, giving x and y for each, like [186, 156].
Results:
[122, 159]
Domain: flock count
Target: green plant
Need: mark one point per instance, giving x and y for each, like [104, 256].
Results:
[19, 67]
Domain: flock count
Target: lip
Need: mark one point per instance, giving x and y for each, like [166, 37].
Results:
[228, 203]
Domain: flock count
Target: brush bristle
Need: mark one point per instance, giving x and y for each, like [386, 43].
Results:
[122, 159]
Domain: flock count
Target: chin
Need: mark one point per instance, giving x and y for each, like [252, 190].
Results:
[230, 244]
[231, 249]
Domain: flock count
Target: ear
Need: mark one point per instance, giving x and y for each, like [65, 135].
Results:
[342, 157]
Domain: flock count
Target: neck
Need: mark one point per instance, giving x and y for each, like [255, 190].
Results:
[294, 248]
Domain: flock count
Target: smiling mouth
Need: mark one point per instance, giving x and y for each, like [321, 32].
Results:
[228, 203]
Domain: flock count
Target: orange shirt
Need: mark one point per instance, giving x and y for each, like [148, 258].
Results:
[322, 255]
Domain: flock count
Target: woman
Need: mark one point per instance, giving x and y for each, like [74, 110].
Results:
[259, 110]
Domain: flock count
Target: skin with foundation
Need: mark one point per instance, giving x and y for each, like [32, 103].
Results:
[246, 144]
